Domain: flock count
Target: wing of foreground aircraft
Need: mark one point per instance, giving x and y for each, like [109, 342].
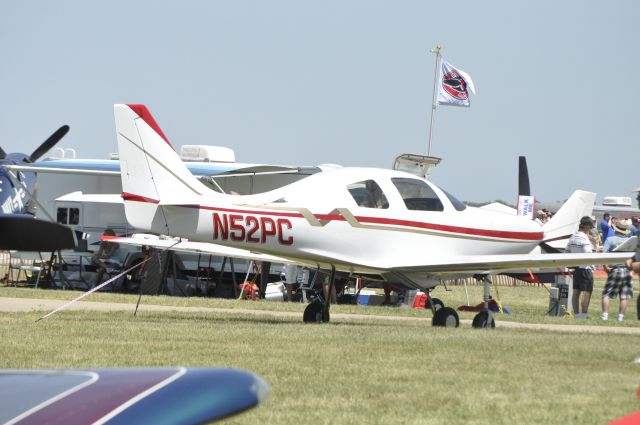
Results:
[127, 396]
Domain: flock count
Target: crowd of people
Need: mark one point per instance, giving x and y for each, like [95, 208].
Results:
[610, 234]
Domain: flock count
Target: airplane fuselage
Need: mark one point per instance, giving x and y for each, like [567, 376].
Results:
[326, 217]
[363, 220]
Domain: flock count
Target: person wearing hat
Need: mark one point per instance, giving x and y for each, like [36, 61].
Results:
[619, 275]
[579, 242]
[541, 217]
[606, 228]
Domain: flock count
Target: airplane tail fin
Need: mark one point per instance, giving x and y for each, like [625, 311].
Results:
[564, 223]
[152, 173]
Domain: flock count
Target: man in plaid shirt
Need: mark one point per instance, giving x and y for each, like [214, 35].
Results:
[619, 278]
[633, 264]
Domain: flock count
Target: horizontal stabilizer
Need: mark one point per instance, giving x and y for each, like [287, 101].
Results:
[193, 247]
[630, 245]
[92, 198]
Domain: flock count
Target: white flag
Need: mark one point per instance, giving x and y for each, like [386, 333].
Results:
[454, 85]
[526, 206]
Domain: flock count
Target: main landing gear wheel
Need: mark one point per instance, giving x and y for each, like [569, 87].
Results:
[483, 320]
[447, 317]
[315, 313]
[437, 302]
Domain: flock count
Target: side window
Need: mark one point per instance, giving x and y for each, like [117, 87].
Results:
[368, 194]
[417, 195]
[74, 215]
[62, 216]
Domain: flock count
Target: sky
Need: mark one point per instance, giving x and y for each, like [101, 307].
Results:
[346, 82]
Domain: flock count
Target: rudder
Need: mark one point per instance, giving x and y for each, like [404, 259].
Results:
[152, 173]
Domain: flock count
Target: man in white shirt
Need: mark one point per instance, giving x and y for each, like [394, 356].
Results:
[582, 276]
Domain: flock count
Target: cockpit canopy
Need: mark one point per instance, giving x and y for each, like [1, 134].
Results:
[417, 195]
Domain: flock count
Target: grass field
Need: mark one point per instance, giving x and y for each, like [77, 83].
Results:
[366, 370]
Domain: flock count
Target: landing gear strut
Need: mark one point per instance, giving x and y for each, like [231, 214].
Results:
[485, 319]
[318, 310]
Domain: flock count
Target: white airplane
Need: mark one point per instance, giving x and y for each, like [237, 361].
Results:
[358, 220]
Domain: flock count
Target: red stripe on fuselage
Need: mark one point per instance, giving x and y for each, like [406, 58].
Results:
[559, 238]
[144, 113]
[503, 234]
[137, 198]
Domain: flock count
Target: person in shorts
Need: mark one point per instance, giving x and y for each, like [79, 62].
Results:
[619, 276]
[579, 242]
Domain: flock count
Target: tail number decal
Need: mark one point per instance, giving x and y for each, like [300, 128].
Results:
[241, 228]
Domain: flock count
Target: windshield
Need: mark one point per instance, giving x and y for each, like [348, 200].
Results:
[417, 195]
[457, 204]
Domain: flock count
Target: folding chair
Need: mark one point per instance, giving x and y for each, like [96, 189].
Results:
[26, 262]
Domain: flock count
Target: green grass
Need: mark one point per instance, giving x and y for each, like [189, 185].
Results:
[365, 371]
[529, 304]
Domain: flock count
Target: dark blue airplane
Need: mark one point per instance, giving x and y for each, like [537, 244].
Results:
[14, 195]
[19, 230]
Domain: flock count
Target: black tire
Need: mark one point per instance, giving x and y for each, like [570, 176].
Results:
[446, 317]
[483, 320]
[437, 302]
[314, 313]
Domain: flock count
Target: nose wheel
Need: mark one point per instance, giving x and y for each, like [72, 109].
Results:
[484, 319]
[318, 310]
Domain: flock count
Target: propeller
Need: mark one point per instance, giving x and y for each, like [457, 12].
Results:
[48, 144]
[3, 154]
[523, 177]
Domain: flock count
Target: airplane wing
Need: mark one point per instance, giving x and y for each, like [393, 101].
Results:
[26, 233]
[441, 267]
[88, 167]
[195, 247]
[501, 263]
[127, 396]
[97, 167]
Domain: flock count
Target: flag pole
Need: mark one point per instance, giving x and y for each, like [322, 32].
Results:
[436, 50]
